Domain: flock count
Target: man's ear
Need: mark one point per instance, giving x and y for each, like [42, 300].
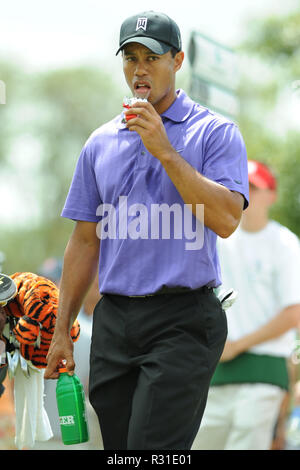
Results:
[178, 60]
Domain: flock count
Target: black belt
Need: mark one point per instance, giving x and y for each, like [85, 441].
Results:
[174, 290]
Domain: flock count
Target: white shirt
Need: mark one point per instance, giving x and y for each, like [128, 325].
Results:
[264, 267]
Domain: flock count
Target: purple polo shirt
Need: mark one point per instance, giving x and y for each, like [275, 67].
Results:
[116, 180]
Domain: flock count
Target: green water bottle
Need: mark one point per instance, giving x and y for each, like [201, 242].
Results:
[70, 400]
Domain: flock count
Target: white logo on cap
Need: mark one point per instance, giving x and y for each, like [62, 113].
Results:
[141, 23]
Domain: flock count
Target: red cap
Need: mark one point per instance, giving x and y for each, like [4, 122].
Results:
[261, 176]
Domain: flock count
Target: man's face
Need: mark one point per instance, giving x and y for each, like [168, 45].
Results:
[150, 75]
[260, 199]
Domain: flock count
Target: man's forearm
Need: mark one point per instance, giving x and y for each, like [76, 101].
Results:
[222, 207]
[79, 270]
[287, 319]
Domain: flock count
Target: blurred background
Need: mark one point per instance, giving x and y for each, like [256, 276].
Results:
[60, 79]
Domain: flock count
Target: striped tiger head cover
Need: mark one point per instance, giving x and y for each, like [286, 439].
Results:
[32, 314]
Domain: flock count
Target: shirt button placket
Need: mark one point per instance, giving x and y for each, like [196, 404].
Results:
[142, 156]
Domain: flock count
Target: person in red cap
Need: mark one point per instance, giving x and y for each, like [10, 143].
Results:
[261, 262]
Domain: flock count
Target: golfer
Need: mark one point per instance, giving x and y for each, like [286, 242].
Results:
[158, 330]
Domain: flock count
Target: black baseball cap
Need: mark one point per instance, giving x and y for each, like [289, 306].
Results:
[8, 289]
[154, 30]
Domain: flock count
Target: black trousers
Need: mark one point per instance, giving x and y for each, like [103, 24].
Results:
[151, 363]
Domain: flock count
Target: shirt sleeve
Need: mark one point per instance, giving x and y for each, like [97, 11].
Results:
[225, 159]
[287, 278]
[83, 197]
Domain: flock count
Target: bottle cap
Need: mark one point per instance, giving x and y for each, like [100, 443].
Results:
[62, 366]
[8, 289]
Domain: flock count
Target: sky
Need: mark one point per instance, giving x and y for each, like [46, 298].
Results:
[43, 34]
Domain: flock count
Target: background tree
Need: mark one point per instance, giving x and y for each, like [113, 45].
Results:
[270, 106]
[44, 124]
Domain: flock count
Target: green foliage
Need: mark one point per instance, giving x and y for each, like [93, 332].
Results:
[287, 164]
[275, 42]
[12, 76]
[77, 101]
[276, 39]
[44, 124]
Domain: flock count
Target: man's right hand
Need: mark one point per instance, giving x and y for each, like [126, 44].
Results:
[79, 270]
[61, 349]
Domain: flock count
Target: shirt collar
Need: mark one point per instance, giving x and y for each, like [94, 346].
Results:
[179, 110]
